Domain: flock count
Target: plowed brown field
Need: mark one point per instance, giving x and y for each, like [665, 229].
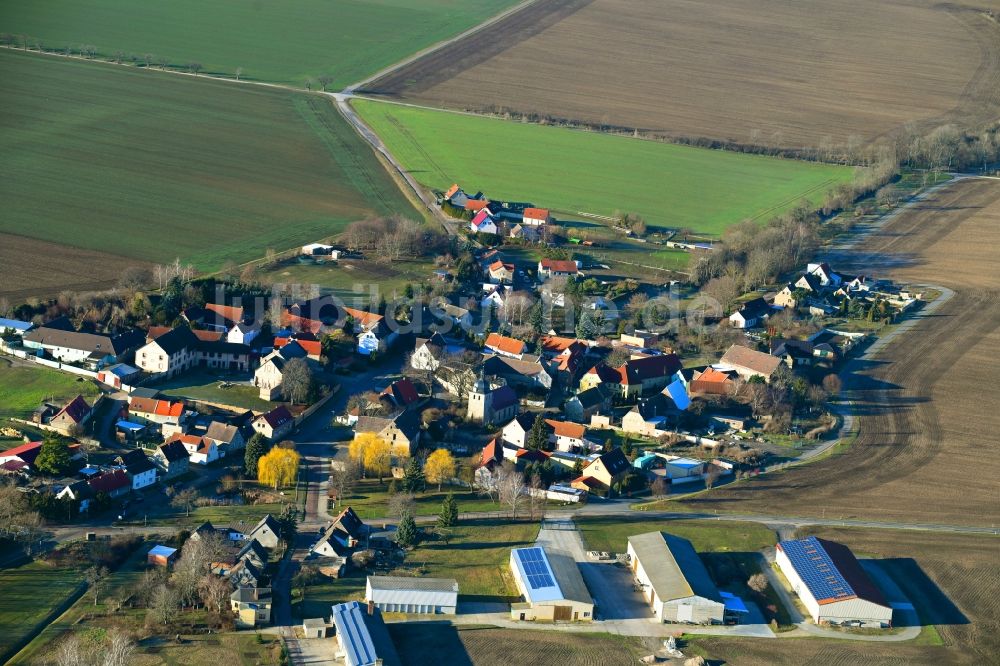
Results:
[953, 579]
[30, 267]
[929, 408]
[764, 71]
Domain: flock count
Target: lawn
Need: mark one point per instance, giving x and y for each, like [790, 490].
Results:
[476, 556]
[271, 41]
[112, 160]
[576, 172]
[30, 593]
[205, 386]
[610, 533]
[352, 279]
[370, 500]
[237, 516]
[23, 388]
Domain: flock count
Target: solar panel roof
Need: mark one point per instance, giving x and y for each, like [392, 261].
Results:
[537, 574]
[817, 570]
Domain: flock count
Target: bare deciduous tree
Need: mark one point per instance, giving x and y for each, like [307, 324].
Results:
[511, 488]
[325, 80]
[758, 583]
[401, 504]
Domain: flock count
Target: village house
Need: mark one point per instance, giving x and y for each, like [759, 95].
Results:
[307, 341]
[371, 330]
[452, 315]
[501, 273]
[822, 271]
[275, 424]
[242, 334]
[749, 363]
[494, 296]
[427, 352]
[114, 483]
[527, 371]
[504, 346]
[797, 353]
[251, 606]
[77, 491]
[24, 455]
[172, 458]
[634, 377]
[483, 222]
[180, 350]
[516, 431]
[228, 439]
[603, 473]
[401, 431]
[548, 268]
[89, 349]
[402, 393]
[267, 531]
[750, 314]
[570, 437]
[536, 217]
[338, 541]
[269, 376]
[71, 419]
[585, 404]
[14, 327]
[169, 415]
[215, 316]
[712, 381]
[139, 468]
[118, 374]
[201, 451]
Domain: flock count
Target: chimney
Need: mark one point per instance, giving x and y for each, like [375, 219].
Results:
[371, 607]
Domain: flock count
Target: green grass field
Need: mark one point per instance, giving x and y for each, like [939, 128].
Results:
[30, 593]
[23, 388]
[271, 41]
[204, 386]
[611, 533]
[575, 172]
[371, 500]
[341, 277]
[153, 166]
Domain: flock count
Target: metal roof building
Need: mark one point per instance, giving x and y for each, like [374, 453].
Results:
[673, 579]
[831, 583]
[402, 594]
[552, 586]
[362, 639]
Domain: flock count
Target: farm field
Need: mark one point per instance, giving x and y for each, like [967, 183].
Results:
[278, 42]
[24, 387]
[351, 279]
[31, 592]
[424, 644]
[924, 450]
[953, 579]
[134, 176]
[574, 172]
[770, 73]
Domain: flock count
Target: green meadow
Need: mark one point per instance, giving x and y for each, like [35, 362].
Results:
[24, 387]
[575, 172]
[153, 166]
[282, 42]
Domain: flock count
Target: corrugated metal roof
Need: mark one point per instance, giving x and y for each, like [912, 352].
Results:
[412, 583]
[673, 567]
[356, 642]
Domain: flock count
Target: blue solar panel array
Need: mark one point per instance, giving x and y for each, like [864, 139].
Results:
[536, 568]
[816, 569]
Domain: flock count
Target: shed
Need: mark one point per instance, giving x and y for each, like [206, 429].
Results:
[552, 586]
[673, 579]
[161, 556]
[314, 627]
[402, 594]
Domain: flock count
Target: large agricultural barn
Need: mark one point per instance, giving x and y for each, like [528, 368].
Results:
[552, 586]
[832, 584]
[403, 594]
[674, 581]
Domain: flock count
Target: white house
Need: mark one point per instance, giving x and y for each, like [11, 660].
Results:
[516, 431]
[750, 314]
[536, 217]
[201, 450]
[825, 274]
[138, 467]
[557, 268]
[483, 223]
[832, 584]
[15, 326]
[242, 334]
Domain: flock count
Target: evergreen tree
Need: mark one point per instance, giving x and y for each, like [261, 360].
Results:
[449, 512]
[538, 437]
[578, 467]
[54, 457]
[413, 477]
[536, 317]
[256, 448]
[406, 533]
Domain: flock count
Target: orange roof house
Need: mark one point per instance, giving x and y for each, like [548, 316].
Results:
[503, 345]
[452, 191]
[567, 429]
[476, 205]
[234, 314]
[153, 407]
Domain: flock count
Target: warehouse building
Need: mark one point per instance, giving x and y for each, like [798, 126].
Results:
[674, 581]
[402, 594]
[552, 586]
[831, 583]
[362, 639]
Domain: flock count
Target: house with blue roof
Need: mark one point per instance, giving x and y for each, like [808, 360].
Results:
[832, 584]
[14, 326]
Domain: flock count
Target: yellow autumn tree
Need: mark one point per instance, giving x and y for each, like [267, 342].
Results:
[278, 467]
[378, 457]
[440, 467]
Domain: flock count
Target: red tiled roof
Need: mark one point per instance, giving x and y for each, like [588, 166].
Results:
[536, 213]
[402, 391]
[109, 481]
[312, 347]
[559, 265]
[476, 204]
[157, 407]
[365, 319]
[451, 191]
[193, 441]
[277, 417]
[505, 344]
[24, 451]
[492, 452]
[606, 374]
[553, 343]
[638, 370]
[229, 312]
[205, 336]
[301, 323]
[588, 481]
[567, 429]
[713, 375]
[532, 455]
[481, 218]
